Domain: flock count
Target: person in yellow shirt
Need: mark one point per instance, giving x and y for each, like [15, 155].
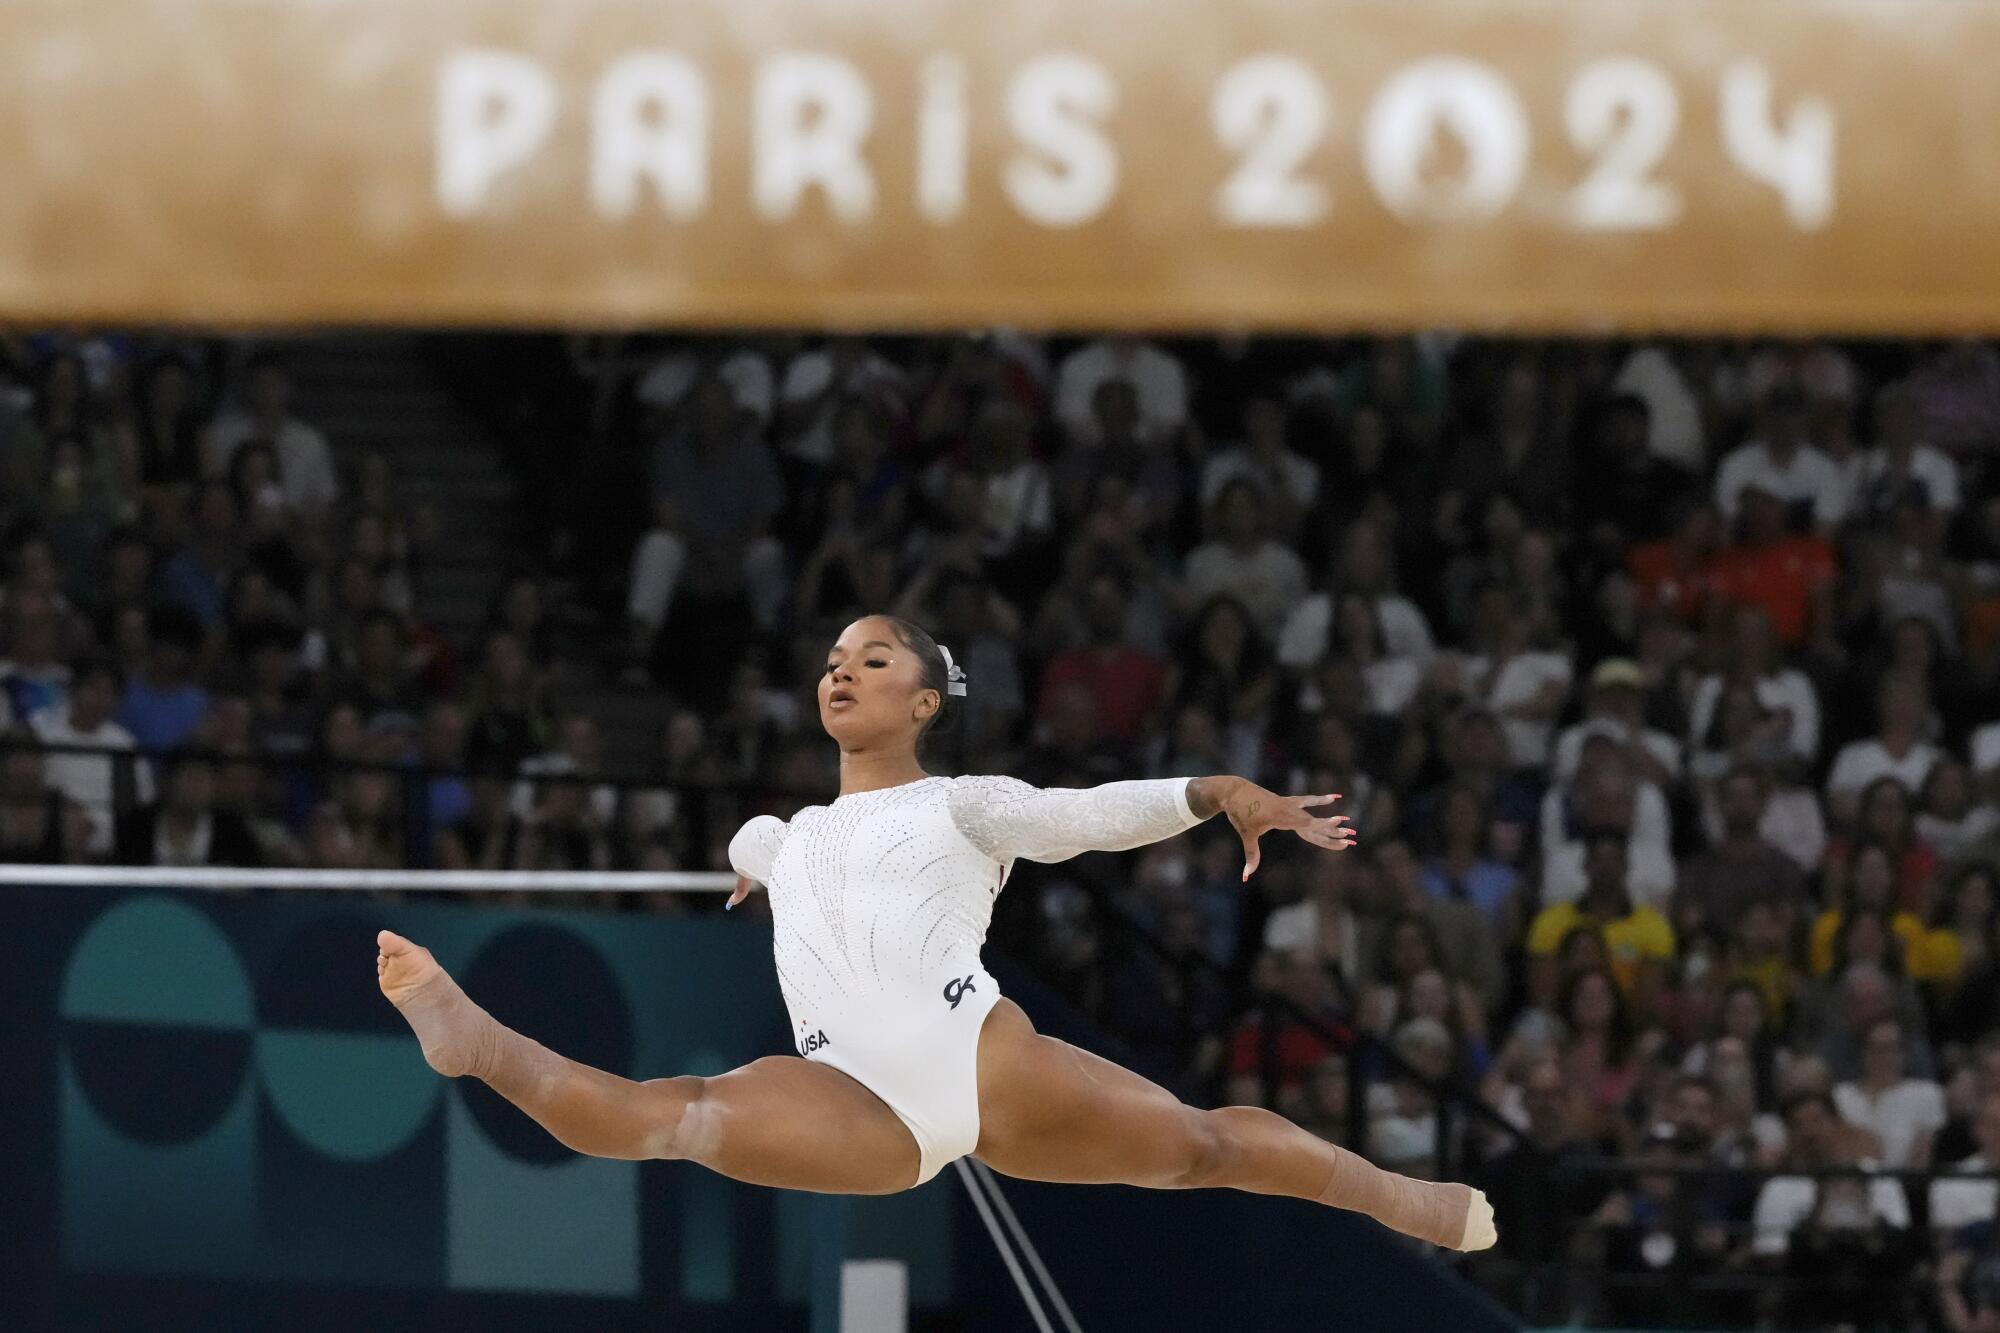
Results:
[1638, 938]
[1928, 955]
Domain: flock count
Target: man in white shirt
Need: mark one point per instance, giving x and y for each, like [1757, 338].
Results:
[1784, 464]
[1788, 1203]
[1241, 562]
[1362, 567]
[1960, 1203]
[88, 779]
[1154, 374]
[1784, 690]
[1904, 1113]
[1896, 750]
[305, 463]
[1264, 458]
[1606, 798]
[1902, 460]
[1672, 410]
[1321, 928]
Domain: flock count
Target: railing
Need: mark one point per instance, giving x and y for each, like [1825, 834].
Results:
[1668, 1264]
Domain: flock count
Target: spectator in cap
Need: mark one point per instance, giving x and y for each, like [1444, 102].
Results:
[1614, 706]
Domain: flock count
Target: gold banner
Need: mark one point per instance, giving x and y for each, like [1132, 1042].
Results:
[1528, 164]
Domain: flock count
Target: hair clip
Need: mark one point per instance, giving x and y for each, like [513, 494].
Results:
[954, 675]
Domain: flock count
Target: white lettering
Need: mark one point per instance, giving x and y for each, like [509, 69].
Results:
[1271, 112]
[1796, 158]
[1626, 112]
[812, 114]
[1054, 104]
[650, 123]
[942, 136]
[1446, 96]
[494, 110]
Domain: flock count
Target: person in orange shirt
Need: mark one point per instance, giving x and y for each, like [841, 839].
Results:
[1790, 576]
[1677, 572]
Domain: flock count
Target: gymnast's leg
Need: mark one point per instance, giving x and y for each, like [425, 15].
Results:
[1051, 1111]
[778, 1121]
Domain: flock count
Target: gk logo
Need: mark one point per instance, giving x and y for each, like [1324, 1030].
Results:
[955, 990]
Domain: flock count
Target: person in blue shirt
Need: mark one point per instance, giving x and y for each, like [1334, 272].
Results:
[163, 705]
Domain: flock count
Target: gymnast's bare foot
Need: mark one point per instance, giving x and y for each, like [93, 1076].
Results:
[456, 1034]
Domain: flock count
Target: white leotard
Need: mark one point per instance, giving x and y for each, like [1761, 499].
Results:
[881, 902]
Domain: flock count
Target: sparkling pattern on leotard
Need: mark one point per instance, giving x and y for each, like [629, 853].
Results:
[882, 892]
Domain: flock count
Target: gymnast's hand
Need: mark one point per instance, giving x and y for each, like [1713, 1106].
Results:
[743, 886]
[1253, 811]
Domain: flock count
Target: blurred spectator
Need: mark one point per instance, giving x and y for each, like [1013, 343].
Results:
[1323, 928]
[1362, 566]
[1606, 800]
[1897, 749]
[1784, 464]
[1614, 706]
[1952, 818]
[305, 463]
[1537, 1205]
[715, 492]
[1126, 684]
[1840, 1238]
[1469, 946]
[1961, 1203]
[1461, 870]
[1790, 716]
[1242, 562]
[1523, 684]
[1155, 376]
[1276, 1046]
[1402, 1110]
[38, 825]
[1288, 481]
[1639, 939]
[163, 705]
[1958, 394]
[1902, 460]
[506, 712]
[183, 828]
[1904, 1113]
[33, 677]
[1787, 576]
[91, 781]
[1167, 1002]
[1741, 866]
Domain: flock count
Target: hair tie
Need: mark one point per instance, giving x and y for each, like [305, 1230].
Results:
[954, 675]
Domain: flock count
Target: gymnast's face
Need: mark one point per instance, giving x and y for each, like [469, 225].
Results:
[871, 691]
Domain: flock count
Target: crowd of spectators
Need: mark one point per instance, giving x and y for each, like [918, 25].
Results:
[1658, 678]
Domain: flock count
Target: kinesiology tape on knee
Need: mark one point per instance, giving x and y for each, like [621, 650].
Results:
[1430, 1211]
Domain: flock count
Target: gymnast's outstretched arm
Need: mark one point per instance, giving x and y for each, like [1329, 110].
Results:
[1006, 818]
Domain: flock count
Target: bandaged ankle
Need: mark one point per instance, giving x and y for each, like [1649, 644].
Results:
[1430, 1211]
